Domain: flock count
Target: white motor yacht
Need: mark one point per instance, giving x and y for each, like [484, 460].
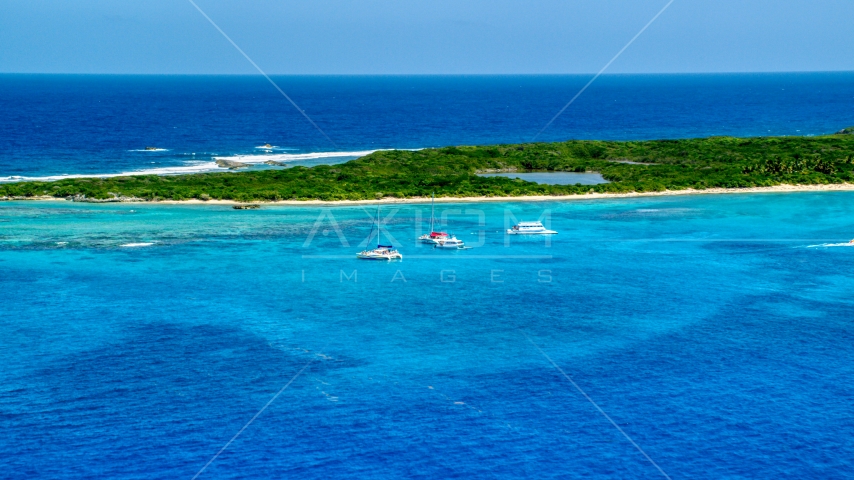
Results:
[452, 243]
[530, 228]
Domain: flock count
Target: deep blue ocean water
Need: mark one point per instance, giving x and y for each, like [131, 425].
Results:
[136, 340]
[710, 328]
[85, 124]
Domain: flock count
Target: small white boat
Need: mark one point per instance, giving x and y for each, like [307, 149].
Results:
[530, 228]
[452, 243]
[382, 252]
[266, 146]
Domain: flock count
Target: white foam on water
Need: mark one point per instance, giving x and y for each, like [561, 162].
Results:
[826, 245]
[140, 244]
[293, 157]
[149, 150]
[273, 147]
[195, 166]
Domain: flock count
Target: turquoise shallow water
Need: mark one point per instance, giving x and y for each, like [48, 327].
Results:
[554, 178]
[705, 326]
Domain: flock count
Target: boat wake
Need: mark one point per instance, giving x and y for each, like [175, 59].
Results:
[141, 244]
[293, 157]
[273, 147]
[149, 150]
[828, 245]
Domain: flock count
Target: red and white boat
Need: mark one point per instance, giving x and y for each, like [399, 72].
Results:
[433, 238]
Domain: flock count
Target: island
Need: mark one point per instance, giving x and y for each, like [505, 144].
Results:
[628, 166]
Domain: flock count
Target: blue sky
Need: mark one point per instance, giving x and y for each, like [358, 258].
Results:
[425, 37]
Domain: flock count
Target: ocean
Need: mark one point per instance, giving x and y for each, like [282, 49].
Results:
[138, 340]
[55, 125]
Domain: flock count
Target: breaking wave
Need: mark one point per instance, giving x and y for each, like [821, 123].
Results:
[292, 157]
[196, 166]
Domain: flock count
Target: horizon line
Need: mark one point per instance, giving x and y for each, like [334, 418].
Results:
[612, 74]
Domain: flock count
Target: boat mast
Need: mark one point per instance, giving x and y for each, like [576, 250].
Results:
[378, 227]
[432, 202]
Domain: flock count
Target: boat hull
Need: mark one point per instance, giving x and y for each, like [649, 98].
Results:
[432, 239]
[369, 256]
[543, 232]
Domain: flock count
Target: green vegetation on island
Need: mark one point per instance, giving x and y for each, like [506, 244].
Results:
[630, 166]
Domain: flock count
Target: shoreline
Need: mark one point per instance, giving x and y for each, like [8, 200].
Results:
[786, 188]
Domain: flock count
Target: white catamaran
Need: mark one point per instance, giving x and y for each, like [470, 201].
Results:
[382, 252]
